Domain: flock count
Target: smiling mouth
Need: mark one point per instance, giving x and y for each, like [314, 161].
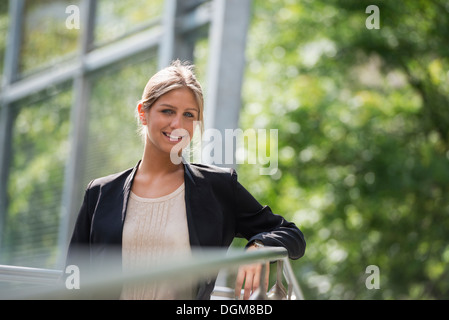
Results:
[173, 138]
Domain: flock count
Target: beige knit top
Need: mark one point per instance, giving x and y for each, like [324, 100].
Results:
[155, 230]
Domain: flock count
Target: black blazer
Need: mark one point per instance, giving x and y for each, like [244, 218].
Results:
[218, 209]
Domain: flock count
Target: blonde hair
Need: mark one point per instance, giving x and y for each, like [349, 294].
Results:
[177, 75]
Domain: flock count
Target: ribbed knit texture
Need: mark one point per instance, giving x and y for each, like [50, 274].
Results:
[155, 231]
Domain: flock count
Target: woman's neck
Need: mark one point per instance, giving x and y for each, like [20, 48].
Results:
[157, 175]
[157, 163]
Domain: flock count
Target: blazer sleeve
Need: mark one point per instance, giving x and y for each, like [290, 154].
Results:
[257, 222]
[78, 250]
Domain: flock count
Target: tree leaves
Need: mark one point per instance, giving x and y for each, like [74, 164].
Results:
[365, 170]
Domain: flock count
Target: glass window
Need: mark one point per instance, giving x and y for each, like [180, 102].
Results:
[113, 143]
[119, 18]
[201, 59]
[36, 177]
[46, 37]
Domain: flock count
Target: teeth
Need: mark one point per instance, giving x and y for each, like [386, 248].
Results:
[172, 137]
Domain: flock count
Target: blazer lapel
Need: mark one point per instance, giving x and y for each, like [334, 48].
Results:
[127, 190]
[202, 220]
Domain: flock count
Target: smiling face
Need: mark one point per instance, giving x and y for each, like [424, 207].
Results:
[170, 120]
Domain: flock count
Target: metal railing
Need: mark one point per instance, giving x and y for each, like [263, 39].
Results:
[47, 283]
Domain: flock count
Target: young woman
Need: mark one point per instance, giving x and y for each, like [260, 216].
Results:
[161, 207]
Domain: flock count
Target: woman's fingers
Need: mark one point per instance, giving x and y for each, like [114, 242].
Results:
[251, 282]
[239, 282]
[250, 276]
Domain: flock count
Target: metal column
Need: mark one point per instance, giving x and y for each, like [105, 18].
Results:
[181, 22]
[7, 114]
[226, 65]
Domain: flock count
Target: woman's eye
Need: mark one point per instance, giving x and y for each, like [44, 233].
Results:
[189, 114]
[167, 111]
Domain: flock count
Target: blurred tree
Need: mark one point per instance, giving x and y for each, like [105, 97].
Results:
[363, 140]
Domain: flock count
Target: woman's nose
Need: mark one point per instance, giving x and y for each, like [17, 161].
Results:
[176, 122]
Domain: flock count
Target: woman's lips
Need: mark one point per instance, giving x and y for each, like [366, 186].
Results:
[172, 138]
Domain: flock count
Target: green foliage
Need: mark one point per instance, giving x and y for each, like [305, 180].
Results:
[363, 140]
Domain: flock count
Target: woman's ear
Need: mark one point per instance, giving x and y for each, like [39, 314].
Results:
[141, 113]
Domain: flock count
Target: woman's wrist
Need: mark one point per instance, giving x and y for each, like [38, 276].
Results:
[256, 244]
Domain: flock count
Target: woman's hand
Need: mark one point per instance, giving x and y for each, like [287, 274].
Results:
[250, 276]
